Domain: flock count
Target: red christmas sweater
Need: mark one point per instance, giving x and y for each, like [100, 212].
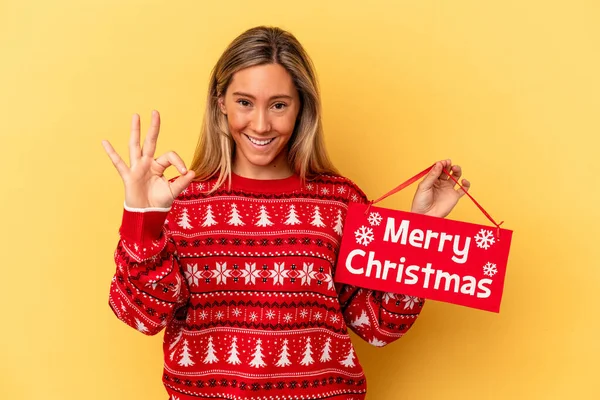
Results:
[242, 280]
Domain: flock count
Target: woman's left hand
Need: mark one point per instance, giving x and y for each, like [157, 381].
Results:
[435, 195]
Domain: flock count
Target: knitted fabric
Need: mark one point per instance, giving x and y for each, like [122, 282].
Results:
[242, 280]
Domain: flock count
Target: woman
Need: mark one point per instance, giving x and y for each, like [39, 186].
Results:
[236, 256]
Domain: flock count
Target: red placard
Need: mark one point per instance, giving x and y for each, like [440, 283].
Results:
[418, 255]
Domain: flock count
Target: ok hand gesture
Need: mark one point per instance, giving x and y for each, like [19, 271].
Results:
[145, 185]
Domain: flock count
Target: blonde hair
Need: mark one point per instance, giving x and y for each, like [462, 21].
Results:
[261, 45]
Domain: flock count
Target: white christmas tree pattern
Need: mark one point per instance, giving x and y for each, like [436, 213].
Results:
[484, 239]
[338, 227]
[172, 345]
[375, 219]
[210, 353]
[258, 361]
[209, 218]
[317, 220]
[349, 360]
[263, 217]
[377, 342]
[186, 357]
[364, 235]
[233, 353]
[234, 216]
[307, 360]
[326, 352]
[292, 216]
[177, 287]
[362, 320]
[490, 269]
[284, 355]
[184, 220]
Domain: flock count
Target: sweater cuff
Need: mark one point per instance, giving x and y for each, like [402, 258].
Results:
[142, 225]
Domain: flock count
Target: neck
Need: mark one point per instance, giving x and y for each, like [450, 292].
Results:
[277, 169]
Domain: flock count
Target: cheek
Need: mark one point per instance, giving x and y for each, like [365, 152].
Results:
[237, 122]
[284, 125]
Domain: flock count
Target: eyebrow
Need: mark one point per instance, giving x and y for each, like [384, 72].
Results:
[277, 96]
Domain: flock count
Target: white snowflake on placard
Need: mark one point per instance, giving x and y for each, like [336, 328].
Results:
[237, 312]
[485, 239]
[341, 189]
[410, 301]
[490, 269]
[192, 274]
[364, 235]
[219, 315]
[324, 190]
[203, 314]
[375, 219]
[270, 314]
[287, 317]
[303, 313]
[253, 316]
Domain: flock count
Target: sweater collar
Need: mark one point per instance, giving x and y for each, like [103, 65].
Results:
[289, 184]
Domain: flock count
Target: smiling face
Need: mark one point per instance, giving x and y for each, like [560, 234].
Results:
[261, 104]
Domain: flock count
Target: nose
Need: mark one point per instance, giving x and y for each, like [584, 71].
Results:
[261, 123]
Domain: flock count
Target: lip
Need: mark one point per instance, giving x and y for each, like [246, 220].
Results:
[259, 146]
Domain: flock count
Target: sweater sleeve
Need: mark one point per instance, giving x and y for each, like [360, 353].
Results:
[376, 316]
[148, 286]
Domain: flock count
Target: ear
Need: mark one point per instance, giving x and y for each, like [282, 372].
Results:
[221, 102]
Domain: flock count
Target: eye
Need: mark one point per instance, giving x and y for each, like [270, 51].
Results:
[280, 106]
[243, 103]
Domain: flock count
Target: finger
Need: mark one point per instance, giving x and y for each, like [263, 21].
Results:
[456, 172]
[446, 164]
[134, 140]
[432, 176]
[171, 158]
[179, 184]
[116, 159]
[466, 185]
[152, 136]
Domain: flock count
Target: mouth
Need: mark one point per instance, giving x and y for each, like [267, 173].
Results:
[257, 142]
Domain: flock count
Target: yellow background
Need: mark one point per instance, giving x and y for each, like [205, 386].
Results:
[507, 89]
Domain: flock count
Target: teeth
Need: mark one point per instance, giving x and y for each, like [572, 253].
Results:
[260, 142]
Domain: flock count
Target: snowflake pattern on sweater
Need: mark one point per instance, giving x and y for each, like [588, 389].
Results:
[242, 280]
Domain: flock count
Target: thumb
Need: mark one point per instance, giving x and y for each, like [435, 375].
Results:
[432, 176]
[179, 184]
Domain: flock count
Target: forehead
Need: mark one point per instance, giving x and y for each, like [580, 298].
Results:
[263, 81]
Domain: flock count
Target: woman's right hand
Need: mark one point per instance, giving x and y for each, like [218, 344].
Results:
[145, 185]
